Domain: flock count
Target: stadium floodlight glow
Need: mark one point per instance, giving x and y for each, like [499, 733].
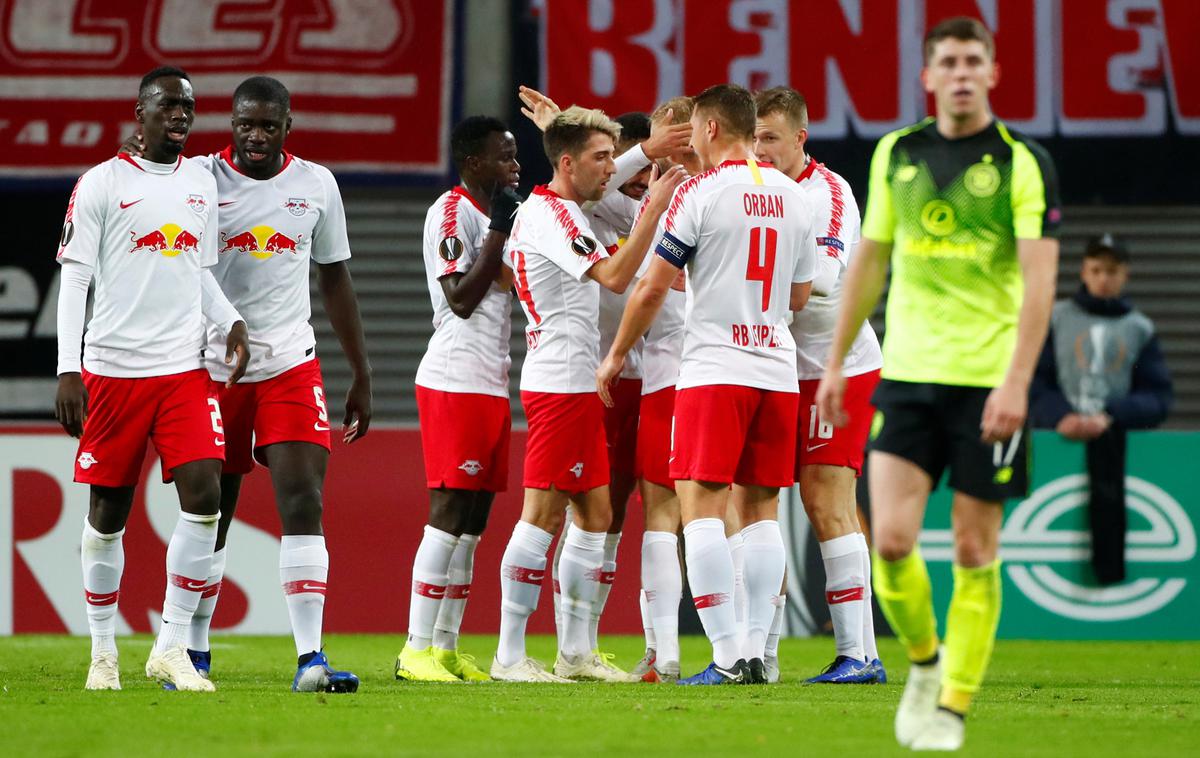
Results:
[1030, 545]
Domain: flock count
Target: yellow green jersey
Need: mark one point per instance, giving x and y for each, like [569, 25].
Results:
[953, 210]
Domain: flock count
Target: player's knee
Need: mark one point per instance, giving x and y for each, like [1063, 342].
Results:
[200, 495]
[972, 549]
[893, 546]
[300, 505]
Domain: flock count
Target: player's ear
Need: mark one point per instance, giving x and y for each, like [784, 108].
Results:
[139, 112]
[287, 127]
[926, 81]
[995, 78]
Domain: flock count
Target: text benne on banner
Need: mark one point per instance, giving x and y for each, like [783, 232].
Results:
[369, 81]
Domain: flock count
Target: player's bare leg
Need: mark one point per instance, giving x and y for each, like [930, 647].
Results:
[764, 564]
[662, 580]
[103, 560]
[189, 558]
[522, 571]
[899, 493]
[828, 495]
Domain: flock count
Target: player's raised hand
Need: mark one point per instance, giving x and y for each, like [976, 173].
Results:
[133, 145]
[71, 403]
[538, 108]
[662, 188]
[831, 396]
[1003, 412]
[358, 410]
[607, 375]
[237, 343]
[667, 138]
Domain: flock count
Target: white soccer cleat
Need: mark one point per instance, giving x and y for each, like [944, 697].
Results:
[919, 701]
[175, 667]
[943, 731]
[594, 666]
[645, 665]
[525, 670]
[771, 665]
[103, 673]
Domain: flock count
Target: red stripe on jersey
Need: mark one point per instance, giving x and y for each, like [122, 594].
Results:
[837, 201]
[847, 595]
[641, 209]
[304, 585]
[449, 226]
[70, 215]
[192, 585]
[458, 591]
[227, 156]
[682, 190]
[524, 575]
[808, 170]
[129, 159]
[101, 598]
[562, 214]
[463, 191]
[435, 591]
[523, 293]
[709, 601]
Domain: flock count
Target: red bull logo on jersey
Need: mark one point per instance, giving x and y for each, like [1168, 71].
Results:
[261, 242]
[168, 239]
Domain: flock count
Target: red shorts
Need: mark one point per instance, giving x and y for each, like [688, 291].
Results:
[621, 425]
[654, 437]
[821, 443]
[731, 434]
[465, 439]
[565, 448]
[177, 412]
[285, 408]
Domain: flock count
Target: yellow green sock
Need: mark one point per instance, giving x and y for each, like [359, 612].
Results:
[970, 633]
[906, 597]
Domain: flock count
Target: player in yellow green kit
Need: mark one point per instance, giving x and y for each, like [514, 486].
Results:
[965, 210]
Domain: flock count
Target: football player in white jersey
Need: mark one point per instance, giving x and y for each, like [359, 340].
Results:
[828, 459]
[743, 231]
[462, 391]
[278, 214]
[558, 267]
[145, 230]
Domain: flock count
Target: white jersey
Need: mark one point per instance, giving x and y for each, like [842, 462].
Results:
[837, 228]
[744, 231]
[612, 221]
[149, 230]
[664, 340]
[465, 355]
[270, 229]
[550, 251]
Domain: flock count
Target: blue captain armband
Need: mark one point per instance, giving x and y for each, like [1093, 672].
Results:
[673, 251]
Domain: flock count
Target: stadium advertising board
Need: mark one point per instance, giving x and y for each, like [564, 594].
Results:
[376, 507]
[370, 82]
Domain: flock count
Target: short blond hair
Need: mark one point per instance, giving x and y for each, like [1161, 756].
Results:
[570, 131]
[680, 107]
[783, 100]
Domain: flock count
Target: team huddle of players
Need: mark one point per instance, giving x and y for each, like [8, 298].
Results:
[679, 276]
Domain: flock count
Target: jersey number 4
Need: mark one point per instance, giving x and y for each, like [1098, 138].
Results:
[760, 260]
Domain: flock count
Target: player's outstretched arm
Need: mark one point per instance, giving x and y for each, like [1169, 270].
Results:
[865, 278]
[617, 271]
[71, 399]
[643, 306]
[341, 304]
[1007, 405]
[465, 291]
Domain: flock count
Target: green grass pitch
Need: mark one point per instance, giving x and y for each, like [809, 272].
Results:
[1041, 698]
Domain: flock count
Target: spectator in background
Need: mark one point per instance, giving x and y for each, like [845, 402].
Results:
[1101, 373]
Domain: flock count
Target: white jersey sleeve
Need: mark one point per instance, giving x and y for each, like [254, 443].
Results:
[330, 242]
[83, 229]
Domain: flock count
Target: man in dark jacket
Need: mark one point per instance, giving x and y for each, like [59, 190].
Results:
[1102, 372]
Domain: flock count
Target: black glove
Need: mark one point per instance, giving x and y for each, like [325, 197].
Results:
[504, 209]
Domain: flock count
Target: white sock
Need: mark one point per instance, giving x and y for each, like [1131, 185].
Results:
[644, 607]
[737, 553]
[579, 572]
[765, 561]
[189, 557]
[664, 587]
[608, 573]
[522, 570]
[103, 559]
[431, 574]
[202, 618]
[868, 635]
[454, 605]
[780, 603]
[710, 574]
[844, 592]
[556, 585]
[303, 572]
